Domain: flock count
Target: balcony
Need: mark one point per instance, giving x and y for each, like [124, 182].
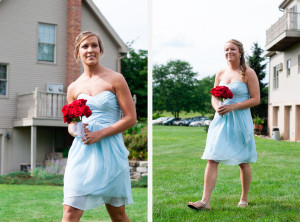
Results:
[284, 33]
[40, 109]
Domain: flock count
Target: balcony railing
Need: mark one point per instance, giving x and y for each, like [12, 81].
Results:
[41, 105]
[287, 27]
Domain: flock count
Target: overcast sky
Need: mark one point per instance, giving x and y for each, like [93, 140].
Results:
[191, 30]
[196, 30]
[128, 18]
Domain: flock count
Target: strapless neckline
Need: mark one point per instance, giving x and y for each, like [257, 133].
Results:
[238, 81]
[100, 93]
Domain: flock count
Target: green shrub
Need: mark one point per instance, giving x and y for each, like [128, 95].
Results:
[137, 144]
[40, 178]
[136, 128]
[156, 115]
[140, 183]
[258, 121]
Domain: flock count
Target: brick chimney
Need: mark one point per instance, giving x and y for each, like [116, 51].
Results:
[73, 29]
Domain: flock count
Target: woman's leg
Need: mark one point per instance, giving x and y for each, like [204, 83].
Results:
[71, 214]
[117, 214]
[245, 180]
[210, 178]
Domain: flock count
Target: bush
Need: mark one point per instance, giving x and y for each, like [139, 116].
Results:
[135, 129]
[39, 178]
[258, 121]
[137, 144]
[156, 115]
[140, 183]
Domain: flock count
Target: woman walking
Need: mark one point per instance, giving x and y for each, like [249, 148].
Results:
[230, 138]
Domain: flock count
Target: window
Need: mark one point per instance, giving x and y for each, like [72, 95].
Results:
[288, 67]
[46, 44]
[3, 79]
[275, 77]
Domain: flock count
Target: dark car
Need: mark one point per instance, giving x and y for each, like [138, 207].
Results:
[170, 121]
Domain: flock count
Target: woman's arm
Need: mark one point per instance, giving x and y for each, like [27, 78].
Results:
[254, 91]
[127, 106]
[70, 99]
[214, 100]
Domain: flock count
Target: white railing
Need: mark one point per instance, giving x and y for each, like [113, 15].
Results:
[289, 21]
[41, 104]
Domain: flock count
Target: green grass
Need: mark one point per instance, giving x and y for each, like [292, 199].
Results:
[178, 172]
[44, 203]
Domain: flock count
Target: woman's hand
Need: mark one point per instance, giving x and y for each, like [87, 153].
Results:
[91, 137]
[222, 110]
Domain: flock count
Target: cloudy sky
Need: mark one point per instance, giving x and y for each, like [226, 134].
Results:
[129, 18]
[196, 30]
[191, 30]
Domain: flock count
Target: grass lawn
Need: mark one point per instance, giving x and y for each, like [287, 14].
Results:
[43, 203]
[178, 173]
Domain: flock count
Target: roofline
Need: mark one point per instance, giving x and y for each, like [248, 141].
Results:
[284, 4]
[123, 47]
[270, 54]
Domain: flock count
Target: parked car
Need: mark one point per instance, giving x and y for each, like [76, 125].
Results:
[170, 121]
[180, 122]
[159, 120]
[207, 122]
[198, 121]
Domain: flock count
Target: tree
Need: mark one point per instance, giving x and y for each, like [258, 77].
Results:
[174, 87]
[134, 68]
[203, 96]
[256, 62]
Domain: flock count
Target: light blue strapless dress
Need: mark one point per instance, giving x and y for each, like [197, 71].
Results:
[98, 174]
[230, 139]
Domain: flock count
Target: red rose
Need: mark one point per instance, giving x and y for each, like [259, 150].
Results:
[77, 111]
[79, 102]
[65, 110]
[86, 111]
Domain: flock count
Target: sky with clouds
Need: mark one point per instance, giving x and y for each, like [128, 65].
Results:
[191, 30]
[196, 30]
[129, 18]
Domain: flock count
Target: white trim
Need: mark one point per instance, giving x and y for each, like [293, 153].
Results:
[33, 148]
[2, 134]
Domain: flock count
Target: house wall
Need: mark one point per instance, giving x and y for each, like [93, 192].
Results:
[284, 102]
[19, 36]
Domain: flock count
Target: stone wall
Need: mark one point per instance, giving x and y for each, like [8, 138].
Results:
[138, 169]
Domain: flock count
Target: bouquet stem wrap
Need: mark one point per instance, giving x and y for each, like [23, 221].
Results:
[79, 129]
[221, 103]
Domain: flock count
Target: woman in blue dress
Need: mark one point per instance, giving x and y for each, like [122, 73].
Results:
[230, 138]
[97, 170]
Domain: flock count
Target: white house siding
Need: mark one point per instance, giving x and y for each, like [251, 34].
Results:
[284, 102]
[19, 35]
[89, 22]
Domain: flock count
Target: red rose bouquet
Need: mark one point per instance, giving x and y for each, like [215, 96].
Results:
[222, 93]
[74, 112]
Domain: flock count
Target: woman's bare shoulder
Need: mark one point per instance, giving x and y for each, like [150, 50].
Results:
[250, 74]
[220, 73]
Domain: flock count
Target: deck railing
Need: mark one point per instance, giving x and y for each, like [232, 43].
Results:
[289, 21]
[41, 105]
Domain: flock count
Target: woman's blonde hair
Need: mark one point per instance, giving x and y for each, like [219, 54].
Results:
[81, 37]
[242, 59]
